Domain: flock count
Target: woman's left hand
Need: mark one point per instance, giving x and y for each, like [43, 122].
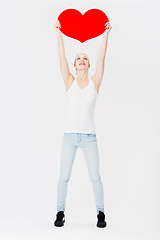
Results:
[108, 27]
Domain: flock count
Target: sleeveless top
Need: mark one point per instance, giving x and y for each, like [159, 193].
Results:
[81, 102]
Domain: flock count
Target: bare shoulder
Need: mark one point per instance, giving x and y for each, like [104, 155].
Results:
[69, 81]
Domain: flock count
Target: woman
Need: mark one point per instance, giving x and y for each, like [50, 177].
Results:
[80, 130]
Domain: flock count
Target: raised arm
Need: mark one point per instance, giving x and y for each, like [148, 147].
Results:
[63, 60]
[101, 58]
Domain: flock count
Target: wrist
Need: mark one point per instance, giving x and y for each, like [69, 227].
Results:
[59, 33]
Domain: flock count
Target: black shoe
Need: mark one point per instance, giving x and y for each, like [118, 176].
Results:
[60, 220]
[101, 220]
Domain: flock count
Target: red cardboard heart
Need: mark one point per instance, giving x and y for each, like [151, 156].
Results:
[82, 27]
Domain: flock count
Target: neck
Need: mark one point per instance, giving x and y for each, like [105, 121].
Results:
[82, 76]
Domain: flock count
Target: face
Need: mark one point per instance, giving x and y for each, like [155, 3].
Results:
[82, 62]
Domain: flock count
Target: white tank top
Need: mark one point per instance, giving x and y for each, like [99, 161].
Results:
[81, 102]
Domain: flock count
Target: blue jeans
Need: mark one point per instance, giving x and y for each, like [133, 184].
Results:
[69, 145]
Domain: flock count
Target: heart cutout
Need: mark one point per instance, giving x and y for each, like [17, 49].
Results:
[82, 27]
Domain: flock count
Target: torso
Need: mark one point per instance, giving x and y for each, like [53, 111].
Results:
[81, 85]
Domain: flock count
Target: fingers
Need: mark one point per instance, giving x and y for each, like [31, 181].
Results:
[58, 23]
[108, 25]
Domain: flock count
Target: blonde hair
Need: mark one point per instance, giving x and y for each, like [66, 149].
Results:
[78, 55]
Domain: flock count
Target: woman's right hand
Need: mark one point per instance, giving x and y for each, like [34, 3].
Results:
[57, 26]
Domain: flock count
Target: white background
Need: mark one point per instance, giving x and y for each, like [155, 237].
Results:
[32, 117]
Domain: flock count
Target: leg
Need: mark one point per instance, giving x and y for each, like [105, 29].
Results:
[90, 150]
[68, 151]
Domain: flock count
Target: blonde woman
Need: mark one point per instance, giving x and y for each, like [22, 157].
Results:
[80, 129]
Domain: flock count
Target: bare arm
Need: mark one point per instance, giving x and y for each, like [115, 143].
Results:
[101, 58]
[103, 48]
[63, 60]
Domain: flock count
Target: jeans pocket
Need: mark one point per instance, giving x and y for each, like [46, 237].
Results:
[91, 134]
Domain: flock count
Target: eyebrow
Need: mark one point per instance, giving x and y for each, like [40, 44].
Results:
[84, 57]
